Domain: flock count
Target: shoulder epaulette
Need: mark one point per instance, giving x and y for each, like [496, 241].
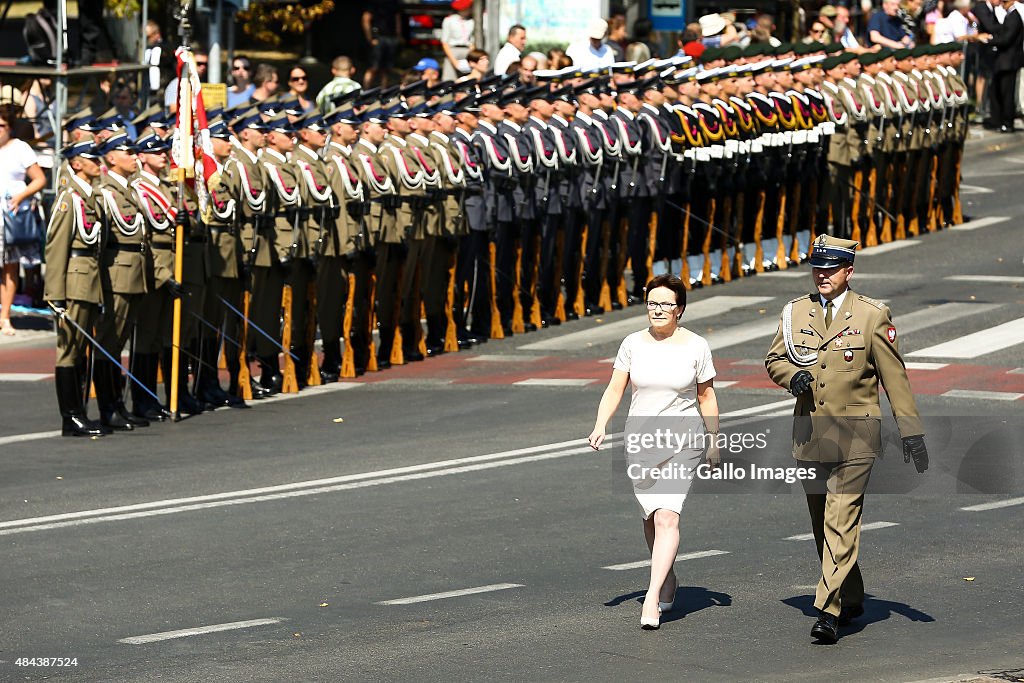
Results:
[874, 302]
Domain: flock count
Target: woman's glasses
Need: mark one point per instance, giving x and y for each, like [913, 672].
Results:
[661, 305]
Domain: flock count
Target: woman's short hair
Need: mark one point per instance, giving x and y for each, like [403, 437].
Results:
[669, 282]
[264, 73]
[475, 55]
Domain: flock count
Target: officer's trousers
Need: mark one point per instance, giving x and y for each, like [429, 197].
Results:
[596, 246]
[265, 311]
[505, 241]
[390, 262]
[473, 283]
[71, 343]
[548, 284]
[638, 239]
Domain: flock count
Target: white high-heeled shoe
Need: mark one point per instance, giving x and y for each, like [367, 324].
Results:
[650, 623]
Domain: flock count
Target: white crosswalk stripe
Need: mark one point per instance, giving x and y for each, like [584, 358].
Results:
[981, 223]
[978, 343]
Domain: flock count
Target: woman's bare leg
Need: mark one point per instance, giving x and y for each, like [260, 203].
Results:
[664, 546]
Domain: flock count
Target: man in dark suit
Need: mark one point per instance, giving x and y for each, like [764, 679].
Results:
[1008, 41]
[985, 12]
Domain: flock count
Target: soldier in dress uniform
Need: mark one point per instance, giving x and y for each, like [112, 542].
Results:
[126, 260]
[831, 350]
[79, 127]
[590, 146]
[74, 240]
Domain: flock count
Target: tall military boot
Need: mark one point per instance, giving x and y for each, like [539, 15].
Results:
[106, 396]
[144, 405]
[301, 354]
[330, 369]
[410, 344]
[437, 326]
[69, 401]
[234, 368]
[208, 387]
[187, 404]
[119, 406]
[271, 379]
[387, 340]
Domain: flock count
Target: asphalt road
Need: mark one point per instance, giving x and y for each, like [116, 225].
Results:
[301, 528]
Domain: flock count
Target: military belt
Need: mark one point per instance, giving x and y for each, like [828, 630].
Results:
[163, 246]
[83, 253]
[117, 246]
[216, 230]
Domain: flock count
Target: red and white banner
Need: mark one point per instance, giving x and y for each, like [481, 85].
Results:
[192, 148]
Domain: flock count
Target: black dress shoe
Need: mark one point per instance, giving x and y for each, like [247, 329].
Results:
[529, 327]
[464, 344]
[152, 413]
[258, 390]
[616, 306]
[476, 338]
[412, 356]
[507, 331]
[360, 372]
[434, 351]
[632, 300]
[383, 364]
[78, 425]
[571, 315]
[131, 419]
[328, 376]
[592, 309]
[848, 614]
[826, 628]
[117, 423]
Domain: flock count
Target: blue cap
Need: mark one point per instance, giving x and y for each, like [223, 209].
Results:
[427, 63]
[219, 129]
[109, 120]
[312, 121]
[251, 119]
[85, 148]
[280, 124]
[829, 252]
[374, 115]
[152, 144]
[82, 120]
[343, 114]
[119, 141]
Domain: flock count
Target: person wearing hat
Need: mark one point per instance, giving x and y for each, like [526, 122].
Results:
[911, 105]
[591, 191]
[842, 150]
[126, 260]
[291, 272]
[72, 282]
[949, 59]
[79, 127]
[832, 349]
[661, 176]
[457, 39]
[428, 70]
[592, 53]
[570, 159]
[716, 31]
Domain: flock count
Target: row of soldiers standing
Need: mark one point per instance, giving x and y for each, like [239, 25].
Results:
[485, 208]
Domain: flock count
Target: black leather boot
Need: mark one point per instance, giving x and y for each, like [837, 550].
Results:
[144, 405]
[270, 377]
[437, 328]
[106, 396]
[208, 387]
[301, 360]
[331, 368]
[410, 343]
[69, 401]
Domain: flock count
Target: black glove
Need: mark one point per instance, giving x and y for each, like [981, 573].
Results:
[354, 209]
[174, 288]
[801, 382]
[181, 218]
[286, 265]
[914, 448]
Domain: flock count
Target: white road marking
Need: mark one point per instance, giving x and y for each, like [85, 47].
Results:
[788, 273]
[553, 382]
[763, 409]
[994, 505]
[451, 594]
[983, 395]
[920, 365]
[600, 334]
[887, 247]
[863, 527]
[924, 318]
[24, 376]
[742, 333]
[496, 358]
[995, 279]
[981, 223]
[679, 558]
[975, 189]
[978, 343]
[428, 470]
[724, 384]
[1015, 371]
[199, 630]
[32, 436]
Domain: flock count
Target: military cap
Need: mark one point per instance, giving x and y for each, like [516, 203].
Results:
[312, 121]
[491, 82]
[280, 124]
[366, 97]
[417, 88]
[464, 87]
[83, 148]
[759, 67]
[728, 71]
[515, 96]
[601, 71]
[146, 115]
[783, 48]
[802, 64]
[396, 109]
[270, 106]
[83, 120]
[781, 64]
[565, 94]
[250, 119]
[420, 111]
[732, 52]
[708, 76]
[591, 87]
[885, 53]
[152, 143]
[831, 63]
[834, 48]
[109, 120]
[488, 96]
[342, 98]
[920, 50]
[649, 83]
[343, 114]
[219, 129]
[117, 141]
[540, 92]
[214, 113]
[388, 94]
[868, 58]
[829, 251]
[754, 50]
[292, 106]
[444, 105]
[374, 115]
[803, 49]
[470, 104]
[686, 75]
[902, 54]
[627, 68]
[711, 54]
[845, 57]
[441, 89]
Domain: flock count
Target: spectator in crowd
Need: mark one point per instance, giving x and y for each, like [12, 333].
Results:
[541, 59]
[527, 67]
[35, 107]
[479, 64]
[382, 28]
[427, 69]
[123, 100]
[557, 59]
[817, 33]
[171, 92]
[765, 25]
[640, 49]
[457, 39]
[592, 53]
[1009, 44]
[512, 50]
[298, 86]
[716, 31]
[160, 57]
[690, 44]
[241, 87]
[827, 15]
[17, 163]
[987, 13]
[841, 31]
[617, 39]
[103, 99]
[957, 25]
[342, 71]
[266, 81]
[931, 18]
[910, 13]
[885, 28]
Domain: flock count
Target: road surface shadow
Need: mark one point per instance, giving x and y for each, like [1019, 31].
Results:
[689, 600]
[875, 610]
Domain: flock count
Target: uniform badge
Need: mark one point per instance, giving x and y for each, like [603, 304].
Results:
[839, 342]
[848, 356]
[63, 206]
[891, 334]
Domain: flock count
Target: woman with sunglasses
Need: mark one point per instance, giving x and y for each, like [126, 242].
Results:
[241, 82]
[298, 85]
[672, 375]
[817, 34]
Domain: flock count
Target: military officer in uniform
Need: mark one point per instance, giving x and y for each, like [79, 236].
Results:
[831, 350]
[74, 239]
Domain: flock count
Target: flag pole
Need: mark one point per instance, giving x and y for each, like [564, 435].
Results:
[184, 133]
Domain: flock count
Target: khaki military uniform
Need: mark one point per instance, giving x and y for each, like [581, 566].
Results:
[837, 424]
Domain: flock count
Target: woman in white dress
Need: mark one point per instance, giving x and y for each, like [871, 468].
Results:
[672, 375]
